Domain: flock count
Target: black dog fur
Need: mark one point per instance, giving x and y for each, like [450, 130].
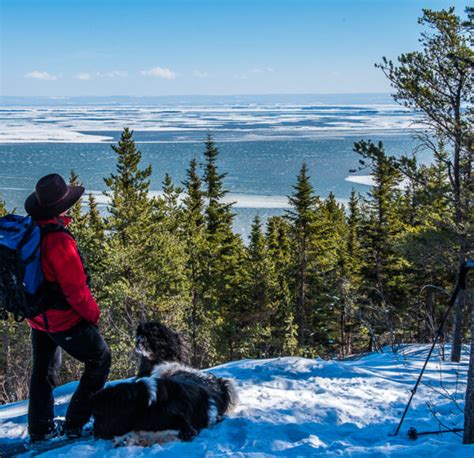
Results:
[166, 395]
[156, 344]
[174, 397]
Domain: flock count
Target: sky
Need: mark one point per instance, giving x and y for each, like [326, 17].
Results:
[212, 47]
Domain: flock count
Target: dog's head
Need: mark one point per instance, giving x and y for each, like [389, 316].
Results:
[158, 343]
[116, 408]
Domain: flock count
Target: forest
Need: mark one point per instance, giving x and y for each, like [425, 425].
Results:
[323, 279]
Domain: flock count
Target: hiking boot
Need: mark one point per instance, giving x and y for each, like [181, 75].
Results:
[73, 432]
[56, 430]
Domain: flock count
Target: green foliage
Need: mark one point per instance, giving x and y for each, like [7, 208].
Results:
[302, 216]
[3, 209]
[323, 279]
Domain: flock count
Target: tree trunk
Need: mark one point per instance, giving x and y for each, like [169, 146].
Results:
[301, 294]
[343, 324]
[469, 408]
[457, 332]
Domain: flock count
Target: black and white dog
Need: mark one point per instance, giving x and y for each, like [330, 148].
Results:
[173, 400]
[155, 344]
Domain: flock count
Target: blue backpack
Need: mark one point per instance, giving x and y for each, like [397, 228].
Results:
[21, 277]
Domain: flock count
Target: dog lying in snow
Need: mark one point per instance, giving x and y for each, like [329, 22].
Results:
[155, 344]
[172, 401]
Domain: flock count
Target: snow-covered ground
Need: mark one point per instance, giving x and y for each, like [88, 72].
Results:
[310, 407]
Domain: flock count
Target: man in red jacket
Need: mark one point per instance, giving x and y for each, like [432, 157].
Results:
[70, 319]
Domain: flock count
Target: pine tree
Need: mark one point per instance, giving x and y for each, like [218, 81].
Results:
[437, 81]
[169, 204]
[284, 330]
[76, 210]
[218, 214]
[302, 216]
[327, 276]
[130, 288]
[353, 238]
[429, 242]
[353, 266]
[3, 208]
[260, 293]
[129, 187]
[196, 250]
[384, 288]
[224, 258]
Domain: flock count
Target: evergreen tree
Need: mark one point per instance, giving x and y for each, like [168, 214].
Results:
[218, 214]
[382, 270]
[255, 334]
[196, 250]
[76, 210]
[327, 259]
[169, 204]
[302, 216]
[284, 328]
[144, 261]
[437, 81]
[3, 208]
[351, 330]
[224, 258]
[129, 187]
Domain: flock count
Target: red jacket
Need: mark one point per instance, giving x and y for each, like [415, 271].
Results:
[61, 263]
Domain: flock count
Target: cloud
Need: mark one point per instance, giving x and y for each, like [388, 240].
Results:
[160, 72]
[45, 76]
[263, 70]
[255, 70]
[200, 74]
[113, 74]
[83, 76]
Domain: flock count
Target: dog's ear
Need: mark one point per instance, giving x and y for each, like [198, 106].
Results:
[140, 328]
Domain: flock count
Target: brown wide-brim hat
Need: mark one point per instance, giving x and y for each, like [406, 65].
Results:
[52, 197]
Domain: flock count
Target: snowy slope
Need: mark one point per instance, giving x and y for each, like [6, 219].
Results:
[302, 407]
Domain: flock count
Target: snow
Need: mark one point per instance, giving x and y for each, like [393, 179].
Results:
[368, 180]
[310, 407]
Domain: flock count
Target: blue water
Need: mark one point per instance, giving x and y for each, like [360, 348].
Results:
[261, 168]
[263, 141]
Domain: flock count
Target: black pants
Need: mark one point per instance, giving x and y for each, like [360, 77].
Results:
[84, 343]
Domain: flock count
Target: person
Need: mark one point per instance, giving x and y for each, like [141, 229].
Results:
[70, 317]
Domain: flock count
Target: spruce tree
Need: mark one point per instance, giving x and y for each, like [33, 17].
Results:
[352, 269]
[437, 81]
[3, 208]
[197, 251]
[130, 279]
[76, 210]
[384, 290]
[224, 258]
[260, 290]
[128, 189]
[327, 277]
[218, 214]
[284, 328]
[302, 215]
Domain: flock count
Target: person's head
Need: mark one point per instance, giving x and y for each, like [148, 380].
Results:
[52, 197]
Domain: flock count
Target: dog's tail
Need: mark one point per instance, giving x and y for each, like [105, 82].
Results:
[228, 394]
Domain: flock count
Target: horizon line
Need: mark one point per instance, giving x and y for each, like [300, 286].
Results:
[202, 95]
